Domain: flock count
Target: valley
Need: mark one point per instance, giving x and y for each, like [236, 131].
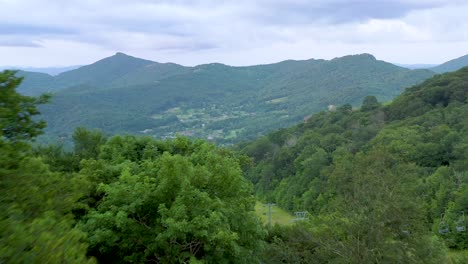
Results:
[217, 102]
[234, 132]
[383, 181]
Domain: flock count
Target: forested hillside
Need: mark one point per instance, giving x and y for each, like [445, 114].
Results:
[99, 75]
[118, 200]
[381, 183]
[36, 83]
[123, 94]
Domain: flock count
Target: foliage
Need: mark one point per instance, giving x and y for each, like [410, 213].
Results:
[35, 204]
[35, 221]
[17, 111]
[122, 94]
[290, 244]
[381, 182]
[369, 103]
[136, 199]
[170, 201]
[87, 143]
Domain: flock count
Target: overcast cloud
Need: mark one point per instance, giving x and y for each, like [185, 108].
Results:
[239, 32]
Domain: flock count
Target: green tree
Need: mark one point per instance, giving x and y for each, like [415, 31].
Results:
[17, 111]
[35, 224]
[189, 203]
[375, 214]
[87, 142]
[35, 219]
[369, 103]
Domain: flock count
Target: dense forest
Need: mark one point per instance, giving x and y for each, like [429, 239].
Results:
[380, 184]
[123, 94]
[118, 200]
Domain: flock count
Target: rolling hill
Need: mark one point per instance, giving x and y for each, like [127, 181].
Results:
[451, 65]
[123, 94]
[47, 70]
[100, 74]
[36, 83]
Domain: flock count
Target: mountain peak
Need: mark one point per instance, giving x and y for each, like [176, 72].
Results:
[368, 55]
[120, 57]
[104, 70]
[363, 56]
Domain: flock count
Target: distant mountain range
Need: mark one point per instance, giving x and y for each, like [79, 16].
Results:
[124, 94]
[416, 66]
[449, 66]
[452, 65]
[47, 70]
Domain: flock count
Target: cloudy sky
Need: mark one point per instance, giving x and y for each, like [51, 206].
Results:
[43, 33]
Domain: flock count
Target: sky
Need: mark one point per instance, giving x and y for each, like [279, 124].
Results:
[46, 33]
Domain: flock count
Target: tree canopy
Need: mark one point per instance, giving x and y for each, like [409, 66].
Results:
[382, 183]
[35, 216]
[170, 201]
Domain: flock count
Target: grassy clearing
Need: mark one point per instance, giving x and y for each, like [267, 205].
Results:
[157, 116]
[458, 256]
[234, 133]
[175, 110]
[278, 100]
[278, 215]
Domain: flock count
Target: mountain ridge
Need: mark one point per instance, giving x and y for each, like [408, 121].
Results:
[216, 101]
[438, 68]
[451, 65]
[122, 68]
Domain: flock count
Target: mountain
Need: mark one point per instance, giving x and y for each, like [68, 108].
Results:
[120, 70]
[451, 65]
[123, 94]
[103, 71]
[149, 73]
[416, 66]
[35, 83]
[47, 70]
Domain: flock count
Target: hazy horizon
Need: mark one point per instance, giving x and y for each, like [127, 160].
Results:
[237, 33]
[64, 68]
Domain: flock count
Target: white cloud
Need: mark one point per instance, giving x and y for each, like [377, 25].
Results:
[42, 33]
